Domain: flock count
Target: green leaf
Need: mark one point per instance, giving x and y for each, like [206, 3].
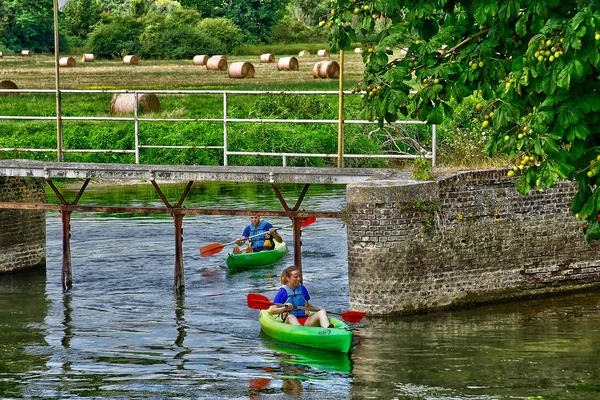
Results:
[436, 116]
[581, 131]
[480, 14]
[521, 26]
[576, 69]
[564, 78]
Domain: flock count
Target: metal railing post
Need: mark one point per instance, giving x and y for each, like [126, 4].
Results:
[433, 143]
[136, 131]
[225, 129]
[340, 162]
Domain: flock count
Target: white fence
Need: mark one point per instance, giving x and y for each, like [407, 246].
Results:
[225, 120]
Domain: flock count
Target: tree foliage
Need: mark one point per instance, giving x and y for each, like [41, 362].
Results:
[255, 17]
[27, 24]
[535, 62]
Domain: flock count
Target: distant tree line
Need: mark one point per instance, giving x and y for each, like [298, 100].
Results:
[159, 28]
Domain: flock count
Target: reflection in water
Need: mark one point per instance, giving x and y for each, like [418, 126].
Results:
[297, 355]
[23, 308]
[123, 333]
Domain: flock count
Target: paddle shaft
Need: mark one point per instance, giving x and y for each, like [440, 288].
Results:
[258, 301]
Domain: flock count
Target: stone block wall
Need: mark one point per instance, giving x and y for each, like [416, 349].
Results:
[22, 232]
[464, 239]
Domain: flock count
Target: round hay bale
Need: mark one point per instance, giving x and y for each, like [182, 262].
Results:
[200, 59]
[241, 70]
[131, 60]
[288, 64]
[357, 50]
[8, 85]
[217, 63]
[124, 103]
[326, 70]
[316, 69]
[66, 62]
[267, 58]
[87, 57]
[25, 53]
[323, 53]
[304, 53]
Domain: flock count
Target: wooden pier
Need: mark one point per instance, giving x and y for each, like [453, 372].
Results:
[154, 174]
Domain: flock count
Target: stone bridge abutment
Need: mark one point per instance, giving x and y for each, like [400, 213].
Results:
[469, 238]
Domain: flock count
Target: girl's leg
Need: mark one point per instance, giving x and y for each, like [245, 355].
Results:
[292, 320]
[320, 317]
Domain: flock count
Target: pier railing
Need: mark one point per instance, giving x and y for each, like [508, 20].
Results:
[226, 120]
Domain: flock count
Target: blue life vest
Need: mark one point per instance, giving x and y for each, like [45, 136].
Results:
[259, 241]
[296, 298]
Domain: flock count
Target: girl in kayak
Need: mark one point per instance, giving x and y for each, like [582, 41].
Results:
[293, 294]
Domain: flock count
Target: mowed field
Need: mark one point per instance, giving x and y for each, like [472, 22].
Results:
[38, 72]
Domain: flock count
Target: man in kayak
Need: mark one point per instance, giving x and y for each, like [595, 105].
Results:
[258, 242]
[293, 294]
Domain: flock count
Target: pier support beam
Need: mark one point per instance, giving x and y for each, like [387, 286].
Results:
[179, 278]
[67, 271]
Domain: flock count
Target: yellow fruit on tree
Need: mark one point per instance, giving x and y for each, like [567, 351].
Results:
[479, 106]
[485, 124]
[511, 174]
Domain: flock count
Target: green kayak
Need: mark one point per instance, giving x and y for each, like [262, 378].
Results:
[265, 257]
[338, 338]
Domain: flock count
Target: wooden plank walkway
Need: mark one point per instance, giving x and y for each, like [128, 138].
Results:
[170, 173]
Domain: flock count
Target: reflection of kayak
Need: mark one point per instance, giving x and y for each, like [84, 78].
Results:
[314, 358]
[338, 338]
[257, 259]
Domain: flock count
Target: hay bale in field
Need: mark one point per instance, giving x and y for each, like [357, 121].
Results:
[326, 70]
[200, 59]
[8, 85]
[267, 58]
[241, 70]
[124, 103]
[357, 50]
[67, 62]
[304, 53]
[217, 63]
[131, 60]
[288, 64]
[87, 57]
[25, 53]
[323, 53]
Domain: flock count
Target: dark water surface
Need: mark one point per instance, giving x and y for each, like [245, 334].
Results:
[123, 333]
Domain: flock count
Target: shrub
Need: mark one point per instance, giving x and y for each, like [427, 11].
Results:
[227, 32]
[177, 42]
[118, 36]
[291, 30]
[462, 138]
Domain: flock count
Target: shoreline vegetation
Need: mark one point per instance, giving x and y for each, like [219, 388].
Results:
[460, 142]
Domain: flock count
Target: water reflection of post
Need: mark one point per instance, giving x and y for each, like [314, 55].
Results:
[181, 326]
[68, 330]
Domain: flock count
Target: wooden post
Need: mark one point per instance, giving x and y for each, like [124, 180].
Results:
[297, 242]
[179, 279]
[67, 272]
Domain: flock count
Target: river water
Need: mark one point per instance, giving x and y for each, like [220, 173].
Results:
[123, 333]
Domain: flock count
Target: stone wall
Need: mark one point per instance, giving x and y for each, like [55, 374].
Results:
[465, 239]
[22, 232]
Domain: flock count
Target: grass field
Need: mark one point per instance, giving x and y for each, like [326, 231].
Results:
[38, 72]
